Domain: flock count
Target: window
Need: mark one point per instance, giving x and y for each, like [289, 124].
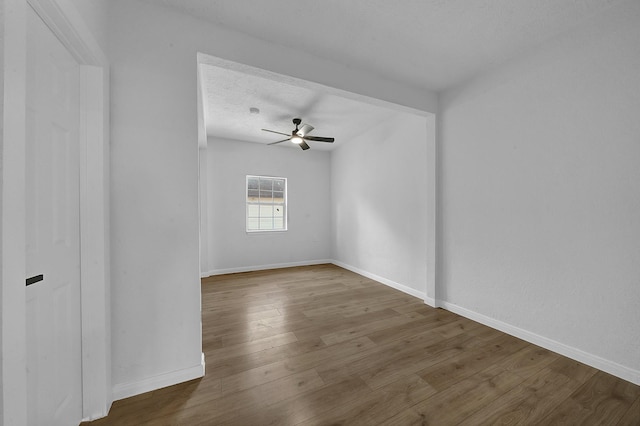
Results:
[266, 203]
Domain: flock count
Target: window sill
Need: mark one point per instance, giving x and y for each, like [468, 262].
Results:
[265, 231]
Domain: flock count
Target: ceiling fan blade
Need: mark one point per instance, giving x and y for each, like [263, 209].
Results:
[273, 131]
[273, 143]
[304, 130]
[319, 139]
[304, 145]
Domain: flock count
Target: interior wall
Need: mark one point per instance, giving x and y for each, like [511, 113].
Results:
[156, 336]
[89, 18]
[541, 193]
[204, 209]
[94, 14]
[308, 238]
[379, 203]
[75, 32]
[12, 312]
[154, 168]
[2, 17]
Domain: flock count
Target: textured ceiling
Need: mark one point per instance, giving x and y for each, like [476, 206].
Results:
[230, 94]
[433, 44]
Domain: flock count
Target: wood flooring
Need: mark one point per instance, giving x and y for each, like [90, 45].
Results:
[320, 345]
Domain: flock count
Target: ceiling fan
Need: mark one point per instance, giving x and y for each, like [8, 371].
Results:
[300, 135]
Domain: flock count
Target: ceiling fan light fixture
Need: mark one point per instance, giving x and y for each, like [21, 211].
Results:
[299, 135]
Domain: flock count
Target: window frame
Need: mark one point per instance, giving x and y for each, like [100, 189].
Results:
[248, 203]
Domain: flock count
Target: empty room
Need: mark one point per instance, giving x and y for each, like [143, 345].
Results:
[315, 213]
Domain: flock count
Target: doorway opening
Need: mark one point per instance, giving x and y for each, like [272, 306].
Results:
[281, 96]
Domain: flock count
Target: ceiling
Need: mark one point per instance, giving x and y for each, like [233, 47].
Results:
[429, 44]
[432, 44]
[230, 94]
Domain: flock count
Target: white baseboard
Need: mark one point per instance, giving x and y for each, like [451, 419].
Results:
[610, 367]
[263, 267]
[125, 390]
[403, 288]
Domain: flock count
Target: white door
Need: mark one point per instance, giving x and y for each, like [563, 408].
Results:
[54, 380]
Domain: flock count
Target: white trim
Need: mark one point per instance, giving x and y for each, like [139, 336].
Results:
[125, 390]
[403, 288]
[203, 110]
[203, 216]
[13, 303]
[432, 213]
[264, 267]
[433, 238]
[94, 240]
[206, 59]
[67, 24]
[610, 367]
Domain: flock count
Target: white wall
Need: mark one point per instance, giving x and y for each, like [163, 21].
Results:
[78, 36]
[379, 199]
[308, 238]
[154, 165]
[1, 176]
[203, 209]
[540, 190]
[94, 14]
[154, 217]
[90, 22]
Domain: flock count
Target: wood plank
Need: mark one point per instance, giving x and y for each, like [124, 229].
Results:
[632, 416]
[529, 360]
[407, 418]
[321, 326]
[381, 405]
[463, 365]
[223, 367]
[574, 370]
[413, 358]
[320, 345]
[364, 329]
[602, 399]
[342, 350]
[467, 396]
[254, 398]
[312, 405]
[254, 346]
[448, 326]
[527, 403]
